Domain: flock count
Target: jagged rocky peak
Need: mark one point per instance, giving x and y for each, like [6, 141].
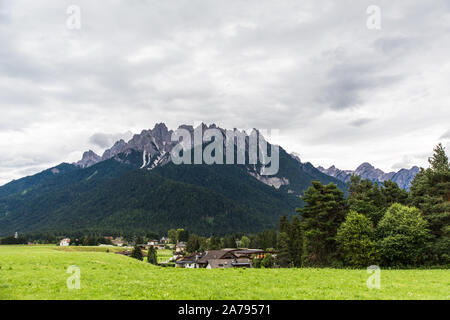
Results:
[118, 147]
[156, 144]
[404, 177]
[89, 158]
[365, 170]
[364, 166]
[368, 171]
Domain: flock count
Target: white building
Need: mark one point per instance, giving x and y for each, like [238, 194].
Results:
[64, 242]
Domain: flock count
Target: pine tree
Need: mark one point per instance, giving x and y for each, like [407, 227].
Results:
[283, 224]
[430, 192]
[322, 214]
[193, 243]
[152, 256]
[296, 242]
[172, 234]
[283, 255]
[214, 243]
[137, 253]
[366, 198]
[392, 193]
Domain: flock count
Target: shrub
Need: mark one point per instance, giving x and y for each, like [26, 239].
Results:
[355, 239]
[403, 236]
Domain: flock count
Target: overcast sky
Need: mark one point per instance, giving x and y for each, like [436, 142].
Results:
[339, 92]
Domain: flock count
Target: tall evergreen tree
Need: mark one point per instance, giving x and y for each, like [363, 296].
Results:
[182, 235]
[283, 224]
[283, 255]
[137, 253]
[152, 255]
[214, 243]
[172, 234]
[321, 216]
[229, 241]
[193, 243]
[392, 193]
[296, 242]
[430, 192]
[366, 198]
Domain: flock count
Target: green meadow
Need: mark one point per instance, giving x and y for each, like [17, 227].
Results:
[40, 272]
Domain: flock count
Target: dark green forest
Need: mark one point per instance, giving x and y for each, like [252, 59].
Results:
[117, 197]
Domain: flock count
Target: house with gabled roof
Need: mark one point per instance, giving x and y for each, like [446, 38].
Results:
[224, 258]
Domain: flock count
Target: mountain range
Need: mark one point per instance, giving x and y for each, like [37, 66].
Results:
[135, 187]
[403, 177]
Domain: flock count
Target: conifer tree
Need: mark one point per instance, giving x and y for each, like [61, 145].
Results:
[152, 256]
[430, 192]
[296, 242]
[322, 214]
[137, 253]
[283, 256]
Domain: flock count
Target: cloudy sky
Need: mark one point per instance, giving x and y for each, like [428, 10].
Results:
[339, 92]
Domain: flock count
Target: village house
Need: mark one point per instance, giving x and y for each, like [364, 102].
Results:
[180, 247]
[190, 261]
[160, 246]
[225, 258]
[64, 242]
[152, 242]
[164, 240]
[117, 242]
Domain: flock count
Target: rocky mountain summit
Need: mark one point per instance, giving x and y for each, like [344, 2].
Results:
[403, 177]
[89, 159]
[156, 144]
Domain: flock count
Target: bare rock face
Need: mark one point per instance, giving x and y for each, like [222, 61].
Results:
[119, 147]
[403, 178]
[89, 158]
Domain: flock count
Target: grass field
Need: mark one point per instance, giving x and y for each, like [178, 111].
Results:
[39, 272]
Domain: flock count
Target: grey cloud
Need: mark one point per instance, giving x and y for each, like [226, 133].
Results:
[291, 65]
[105, 140]
[404, 163]
[446, 135]
[351, 79]
[360, 122]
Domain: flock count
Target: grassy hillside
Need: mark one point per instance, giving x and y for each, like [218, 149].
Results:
[40, 273]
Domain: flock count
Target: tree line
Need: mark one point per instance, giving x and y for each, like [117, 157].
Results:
[375, 224]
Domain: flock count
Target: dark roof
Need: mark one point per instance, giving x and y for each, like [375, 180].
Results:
[188, 259]
[220, 263]
[217, 254]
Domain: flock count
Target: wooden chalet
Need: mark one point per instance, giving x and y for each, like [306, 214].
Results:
[225, 258]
